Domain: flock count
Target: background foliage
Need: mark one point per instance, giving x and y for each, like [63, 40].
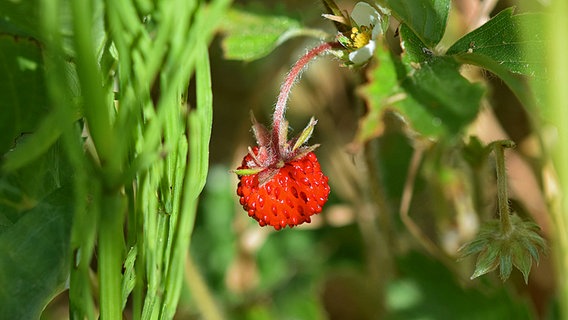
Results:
[121, 120]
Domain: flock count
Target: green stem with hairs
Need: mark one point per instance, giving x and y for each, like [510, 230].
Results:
[502, 191]
[279, 122]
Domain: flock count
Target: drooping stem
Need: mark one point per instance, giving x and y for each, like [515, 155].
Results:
[502, 195]
[280, 110]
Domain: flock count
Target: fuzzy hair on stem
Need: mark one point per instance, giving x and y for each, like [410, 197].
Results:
[293, 75]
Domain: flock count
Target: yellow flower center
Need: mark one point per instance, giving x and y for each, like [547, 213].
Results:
[360, 37]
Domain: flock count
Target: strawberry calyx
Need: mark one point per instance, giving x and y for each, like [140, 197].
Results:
[268, 159]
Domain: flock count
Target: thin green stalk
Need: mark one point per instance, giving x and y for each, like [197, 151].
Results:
[111, 244]
[502, 191]
[199, 127]
[148, 204]
[83, 232]
[198, 131]
[96, 107]
[558, 102]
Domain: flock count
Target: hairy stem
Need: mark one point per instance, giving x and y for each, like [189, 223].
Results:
[280, 110]
[502, 196]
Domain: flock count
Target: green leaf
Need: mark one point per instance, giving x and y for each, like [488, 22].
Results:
[252, 35]
[506, 40]
[384, 92]
[22, 89]
[380, 93]
[393, 155]
[34, 259]
[20, 18]
[427, 18]
[508, 45]
[445, 94]
[435, 82]
[23, 189]
[35, 217]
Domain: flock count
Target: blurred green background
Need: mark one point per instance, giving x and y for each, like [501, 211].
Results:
[334, 268]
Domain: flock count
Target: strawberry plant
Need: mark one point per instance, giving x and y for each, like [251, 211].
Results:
[431, 186]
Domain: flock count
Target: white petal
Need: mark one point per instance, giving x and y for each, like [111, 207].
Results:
[363, 54]
[377, 30]
[365, 15]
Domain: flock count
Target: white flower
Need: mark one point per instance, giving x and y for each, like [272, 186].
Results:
[363, 54]
[363, 35]
[365, 15]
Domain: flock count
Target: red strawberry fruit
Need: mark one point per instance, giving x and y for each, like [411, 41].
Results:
[282, 186]
[280, 180]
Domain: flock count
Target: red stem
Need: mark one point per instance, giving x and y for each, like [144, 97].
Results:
[280, 109]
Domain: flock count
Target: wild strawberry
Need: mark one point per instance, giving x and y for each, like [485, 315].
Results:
[295, 192]
[280, 180]
[282, 185]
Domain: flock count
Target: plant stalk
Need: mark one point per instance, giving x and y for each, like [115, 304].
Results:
[293, 75]
[502, 191]
[111, 243]
[557, 95]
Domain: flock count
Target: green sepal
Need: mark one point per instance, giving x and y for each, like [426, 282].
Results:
[522, 261]
[517, 248]
[505, 263]
[305, 135]
[345, 41]
[487, 261]
[305, 150]
[333, 10]
[247, 172]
